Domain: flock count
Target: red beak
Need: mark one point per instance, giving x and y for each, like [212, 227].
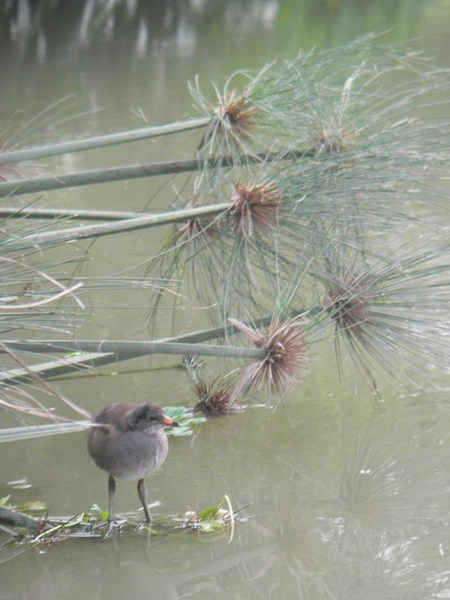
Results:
[169, 422]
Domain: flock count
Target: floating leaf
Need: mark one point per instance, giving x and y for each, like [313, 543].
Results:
[209, 513]
[184, 418]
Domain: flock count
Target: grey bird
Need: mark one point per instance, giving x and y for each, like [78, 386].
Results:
[128, 441]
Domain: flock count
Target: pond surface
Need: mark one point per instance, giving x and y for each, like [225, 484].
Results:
[338, 495]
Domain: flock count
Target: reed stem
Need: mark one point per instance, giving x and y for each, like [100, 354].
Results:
[122, 173]
[111, 139]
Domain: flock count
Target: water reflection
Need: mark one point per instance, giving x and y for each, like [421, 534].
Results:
[31, 26]
[376, 528]
[41, 30]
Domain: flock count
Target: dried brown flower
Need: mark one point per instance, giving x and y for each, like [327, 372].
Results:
[255, 209]
[349, 304]
[214, 401]
[285, 357]
[235, 118]
[331, 140]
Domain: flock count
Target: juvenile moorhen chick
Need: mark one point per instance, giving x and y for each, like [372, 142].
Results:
[128, 440]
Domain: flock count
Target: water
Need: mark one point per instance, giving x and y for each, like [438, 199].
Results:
[338, 496]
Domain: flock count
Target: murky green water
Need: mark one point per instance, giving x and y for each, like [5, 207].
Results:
[340, 497]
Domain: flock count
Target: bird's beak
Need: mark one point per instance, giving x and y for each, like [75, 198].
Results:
[168, 422]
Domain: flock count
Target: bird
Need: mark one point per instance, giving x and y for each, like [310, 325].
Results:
[128, 441]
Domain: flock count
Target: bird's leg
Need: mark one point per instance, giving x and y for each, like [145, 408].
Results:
[141, 494]
[111, 490]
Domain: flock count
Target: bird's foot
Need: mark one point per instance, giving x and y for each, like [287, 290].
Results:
[114, 525]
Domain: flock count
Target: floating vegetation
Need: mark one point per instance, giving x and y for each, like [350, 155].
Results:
[95, 524]
[210, 520]
[185, 419]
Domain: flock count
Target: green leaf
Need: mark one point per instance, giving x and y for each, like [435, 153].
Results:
[176, 412]
[183, 416]
[209, 513]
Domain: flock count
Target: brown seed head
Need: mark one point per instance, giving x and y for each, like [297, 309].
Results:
[331, 140]
[349, 304]
[255, 209]
[238, 113]
[234, 119]
[214, 401]
[285, 358]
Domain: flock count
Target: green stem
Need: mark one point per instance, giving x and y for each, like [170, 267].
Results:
[126, 349]
[97, 359]
[96, 353]
[67, 180]
[26, 212]
[100, 229]
[185, 344]
[94, 176]
[100, 141]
